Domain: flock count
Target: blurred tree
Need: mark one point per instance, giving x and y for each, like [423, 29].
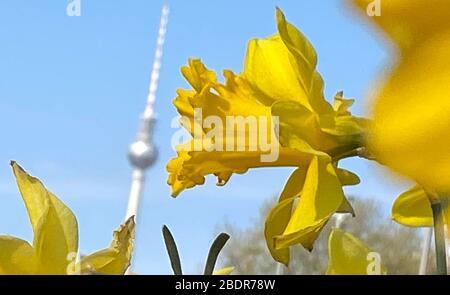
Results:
[399, 246]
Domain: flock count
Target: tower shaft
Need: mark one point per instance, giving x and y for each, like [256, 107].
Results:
[142, 153]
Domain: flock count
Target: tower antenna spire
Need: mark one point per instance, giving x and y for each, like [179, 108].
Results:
[142, 154]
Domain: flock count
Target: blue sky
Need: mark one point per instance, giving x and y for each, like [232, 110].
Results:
[72, 90]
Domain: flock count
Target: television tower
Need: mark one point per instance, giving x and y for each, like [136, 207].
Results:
[142, 154]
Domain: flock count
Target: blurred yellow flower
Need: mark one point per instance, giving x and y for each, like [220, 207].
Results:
[411, 111]
[55, 243]
[281, 86]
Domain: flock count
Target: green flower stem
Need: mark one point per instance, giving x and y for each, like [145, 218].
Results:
[439, 237]
[346, 154]
[361, 152]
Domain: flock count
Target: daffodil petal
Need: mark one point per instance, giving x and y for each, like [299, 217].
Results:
[269, 71]
[347, 177]
[323, 133]
[342, 105]
[17, 257]
[54, 225]
[413, 208]
[280, 215]
[296, 119]
[198, 75]
[305, 236]
[346, 207]
[224, 271]
[321, 197]
[115, 259]
[304, 60]
[350, 256]
[233, 98]
[294, 184]
[276, 222]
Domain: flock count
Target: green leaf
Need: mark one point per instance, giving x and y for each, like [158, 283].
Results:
[172, 250]
[214, 252]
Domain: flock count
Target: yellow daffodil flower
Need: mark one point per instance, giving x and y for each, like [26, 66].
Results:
[280, 84]
[412, 110]
[235, 98]
[350, 256]
[55, 243]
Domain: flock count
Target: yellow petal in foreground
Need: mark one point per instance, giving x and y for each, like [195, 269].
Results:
[350, 256]
[54, 225]
[55, 242]
[115, 259]
[17, 257]
[412, 115]
[413, 208]
[224, 271]
[408, 22]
